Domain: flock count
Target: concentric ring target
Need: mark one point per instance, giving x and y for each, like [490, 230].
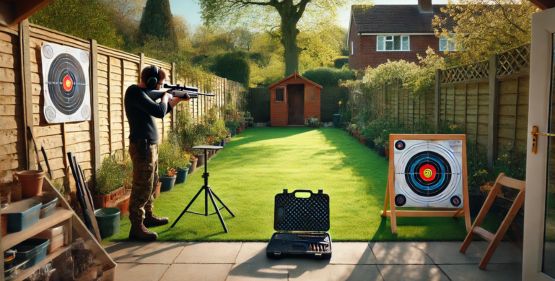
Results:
[66, 84]
[428, 173]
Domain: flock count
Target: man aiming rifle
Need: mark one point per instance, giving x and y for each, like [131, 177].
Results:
[141, 107]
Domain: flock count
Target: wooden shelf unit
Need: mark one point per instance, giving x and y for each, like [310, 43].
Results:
[65, 215]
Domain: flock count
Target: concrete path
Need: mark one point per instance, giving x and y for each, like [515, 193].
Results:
[395, 261]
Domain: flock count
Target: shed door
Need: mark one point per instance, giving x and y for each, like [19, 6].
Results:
[295, 100]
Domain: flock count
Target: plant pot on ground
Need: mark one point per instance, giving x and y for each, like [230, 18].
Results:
[193, 164]
[181, 176]
[108, 221]
[157, 189]
[168, 180]
[112, 177]
[200, 159]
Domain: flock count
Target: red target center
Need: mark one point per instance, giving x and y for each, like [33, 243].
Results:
[427, 172]
[67, 83]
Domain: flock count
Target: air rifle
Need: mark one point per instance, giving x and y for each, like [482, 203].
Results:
[177, 91]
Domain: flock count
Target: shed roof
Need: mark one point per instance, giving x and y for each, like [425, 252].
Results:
[393, 18]
[292, 76]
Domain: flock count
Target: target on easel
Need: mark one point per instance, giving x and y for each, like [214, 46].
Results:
[65, 83]
[427, 173]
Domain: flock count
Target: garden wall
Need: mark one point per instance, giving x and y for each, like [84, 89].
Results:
[487, 100]
[111, 72]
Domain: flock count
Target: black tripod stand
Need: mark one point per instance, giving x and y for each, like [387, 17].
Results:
[208, 192]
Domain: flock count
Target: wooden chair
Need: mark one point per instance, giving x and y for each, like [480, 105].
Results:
[495, 238]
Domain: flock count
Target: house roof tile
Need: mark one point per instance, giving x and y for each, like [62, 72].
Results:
[393, 18]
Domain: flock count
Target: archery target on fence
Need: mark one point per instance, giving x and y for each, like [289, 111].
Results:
[428, 173]
[65, 72]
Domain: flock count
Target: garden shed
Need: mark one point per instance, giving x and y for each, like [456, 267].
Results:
[294, 99]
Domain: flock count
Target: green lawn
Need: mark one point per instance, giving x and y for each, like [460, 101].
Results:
[261, 162]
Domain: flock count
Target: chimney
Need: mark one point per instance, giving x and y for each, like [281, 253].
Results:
[425, 6]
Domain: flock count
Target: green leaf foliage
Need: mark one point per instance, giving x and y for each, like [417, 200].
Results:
[482, 28]
[88, 19]
[157, 21]
[327, 76]
[233, 66]
[113, 174]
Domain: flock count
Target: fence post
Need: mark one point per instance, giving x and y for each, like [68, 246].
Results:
[493, 110]
[122, 81]
[95, 132]
[437, 96]
[26, 91]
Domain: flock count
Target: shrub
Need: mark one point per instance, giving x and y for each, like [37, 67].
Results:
[170, 156]
[327, 76]
[233, 66]
[186, 131]
[312, 122]
[112, 174]
[340, 62]
[214, 126]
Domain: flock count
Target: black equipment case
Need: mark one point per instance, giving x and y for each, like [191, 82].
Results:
[301, 224]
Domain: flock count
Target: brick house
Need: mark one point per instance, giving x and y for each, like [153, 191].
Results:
[381, 32]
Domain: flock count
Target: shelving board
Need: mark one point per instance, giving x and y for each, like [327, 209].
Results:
[29, 271]
[60, 215]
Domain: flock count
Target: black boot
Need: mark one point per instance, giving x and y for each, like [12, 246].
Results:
[139, 232]
[151, 220]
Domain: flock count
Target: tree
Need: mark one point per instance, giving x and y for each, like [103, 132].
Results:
[481, 28]
[289, 12]
[88, 19]
[157, 22]
[126, 16]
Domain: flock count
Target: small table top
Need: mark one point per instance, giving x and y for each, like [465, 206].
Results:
[211, 147]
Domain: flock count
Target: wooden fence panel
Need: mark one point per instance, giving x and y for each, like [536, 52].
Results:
[12, 156]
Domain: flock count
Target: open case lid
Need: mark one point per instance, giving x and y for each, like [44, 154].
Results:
[296, 212]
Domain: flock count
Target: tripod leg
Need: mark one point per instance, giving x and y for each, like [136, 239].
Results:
[188, 205]
[209, 191]
[220, 200]
[205, 203]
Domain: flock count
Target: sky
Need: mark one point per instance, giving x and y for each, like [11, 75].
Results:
[190, 10]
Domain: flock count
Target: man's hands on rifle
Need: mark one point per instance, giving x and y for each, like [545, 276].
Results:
[173, 101]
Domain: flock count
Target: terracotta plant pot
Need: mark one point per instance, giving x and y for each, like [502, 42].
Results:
[31, 182]
[118, 198]
[157, 190]
[193, 166]
[200, 160]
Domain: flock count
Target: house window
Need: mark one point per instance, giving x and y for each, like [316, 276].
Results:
[393, 43]
[447, 44]
[352, 48]
[280, 94]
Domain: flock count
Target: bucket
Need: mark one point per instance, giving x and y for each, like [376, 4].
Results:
[181, 175]
[31, 182]
[108, 221]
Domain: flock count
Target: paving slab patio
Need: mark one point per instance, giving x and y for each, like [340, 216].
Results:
[387, 261]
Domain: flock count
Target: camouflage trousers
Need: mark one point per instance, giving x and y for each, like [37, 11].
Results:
[145, 177]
